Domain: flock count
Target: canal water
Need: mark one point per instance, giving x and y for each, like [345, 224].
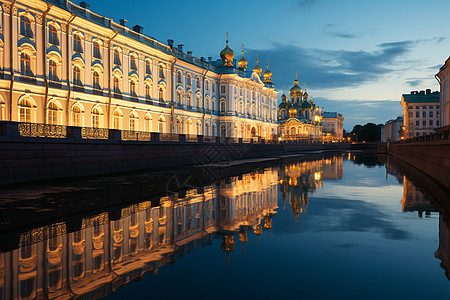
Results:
[341, 226]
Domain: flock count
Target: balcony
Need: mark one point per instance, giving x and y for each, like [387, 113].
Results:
[28, 79]
[78, 88]
[97, 91]
[54, 84]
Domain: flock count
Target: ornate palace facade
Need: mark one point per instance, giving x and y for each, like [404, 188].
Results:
[299, 118]
[62, 64]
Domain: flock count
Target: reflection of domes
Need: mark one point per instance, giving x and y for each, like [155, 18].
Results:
[228, 244]
[227, 56]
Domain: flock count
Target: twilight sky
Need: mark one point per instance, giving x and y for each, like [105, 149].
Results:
[356, 57]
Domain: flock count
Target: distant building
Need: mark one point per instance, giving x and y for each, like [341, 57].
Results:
[420, 113]
[391, 130]
[333, 126]
[444, 76]
[299, 118]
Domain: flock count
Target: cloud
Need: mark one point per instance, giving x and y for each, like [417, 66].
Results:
[329, 30]
[414, 82]
[305, 4]
[330, 69]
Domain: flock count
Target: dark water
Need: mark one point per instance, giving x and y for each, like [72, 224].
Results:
[341, 227]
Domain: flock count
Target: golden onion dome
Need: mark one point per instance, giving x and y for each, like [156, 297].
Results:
[283, 97]
[227, 55]
[267, 75]
[257, 68]
[296, 89]
[242, 63]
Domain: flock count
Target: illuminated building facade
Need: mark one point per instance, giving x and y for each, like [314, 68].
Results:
[106, 254]
[420, 113]
[392, 130]
[62, 64]
[299, 118]
[444, 101]
[333, 126]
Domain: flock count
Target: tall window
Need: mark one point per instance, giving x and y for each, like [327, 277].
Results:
[147, 91]
[52, 114]
[188, 80]
[116, 85]
[25, 111]
[197, 101]
[77, 44]
[77, 76]
[133, 63]
[133, 121]
[207, 85]
[116, 119]
[97, 50]
[179, 98]
[148, 67]
[222, 106]
[133, 88]
[25, 27]
[96, 80]
[161, 94]
[52, 74]
[76, 116]
[116, 57]
[25, 65]
[161, 122]
[53, 35]
[179, 77]
[161, 72]
[189, 100]
[96, 118]
[198, 82]
[147, 123]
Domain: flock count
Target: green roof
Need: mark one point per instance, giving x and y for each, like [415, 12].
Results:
[422, 98]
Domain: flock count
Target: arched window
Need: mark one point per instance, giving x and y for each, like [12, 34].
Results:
[222, 106]
[52, 114]
[189, 100]
[147, 91]
[148, 67]
[179, 77]
[97, 50]
[116, 85]
[77, 44]
[25, 111]
[25, 27]
[198, 82]
[77, 76]
[207, 85]
[161, 94]
[133, 88]
[96, 118]
[207, 103]
[179, 97]
[147, 123]
[116, 57]
[161, 72]
[96, 80]
[222, 130]
[188, 126]
[199, 128]
[116, 119]
[197, 101]
[133, 121]
[133, 63]
[161, 122]
[25, 65]
[53, 73]
[188, 80]
[292, 130]
[76, 116]
[179, 126]
[53, 35]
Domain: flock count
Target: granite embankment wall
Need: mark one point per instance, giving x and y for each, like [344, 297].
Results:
[432, 157]
[28, 159]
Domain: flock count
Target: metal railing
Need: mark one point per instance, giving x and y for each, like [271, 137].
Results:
[169, 137]
[128, 135]
[94, 133]
[42, 130]
[191, 138]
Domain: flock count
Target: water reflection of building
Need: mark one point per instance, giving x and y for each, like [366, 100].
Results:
[415, 199]
[443, 252]
[297, 180]
[333, 167]
[106, 254]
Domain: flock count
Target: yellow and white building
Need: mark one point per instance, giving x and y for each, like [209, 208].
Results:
[63, 64]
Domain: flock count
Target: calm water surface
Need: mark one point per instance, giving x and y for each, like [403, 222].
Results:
[342, 227]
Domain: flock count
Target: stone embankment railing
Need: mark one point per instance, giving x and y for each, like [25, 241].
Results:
[430, 154]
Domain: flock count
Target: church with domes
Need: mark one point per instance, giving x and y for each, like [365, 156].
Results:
[299, 117]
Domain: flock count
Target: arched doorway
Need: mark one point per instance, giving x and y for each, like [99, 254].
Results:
[253, 132]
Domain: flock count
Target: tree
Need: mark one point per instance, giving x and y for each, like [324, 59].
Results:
[370, 132]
